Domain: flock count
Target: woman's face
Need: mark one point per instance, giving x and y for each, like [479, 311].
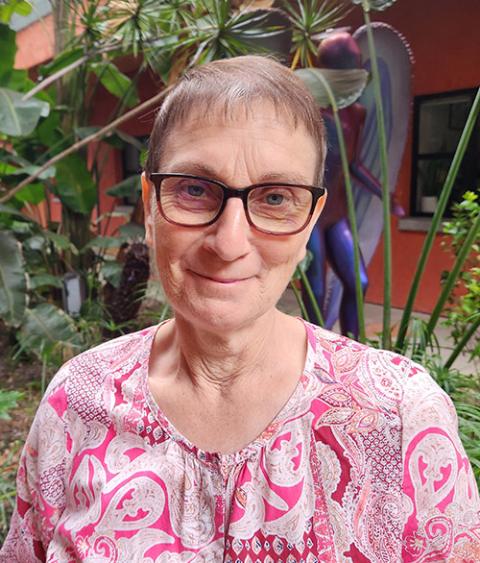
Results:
[227, 275]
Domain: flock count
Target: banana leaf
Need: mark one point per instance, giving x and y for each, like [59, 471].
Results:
[19, 117]
[13, 281]
[347, 85]
[45, 328]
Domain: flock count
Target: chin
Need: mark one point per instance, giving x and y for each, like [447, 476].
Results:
[222, 317]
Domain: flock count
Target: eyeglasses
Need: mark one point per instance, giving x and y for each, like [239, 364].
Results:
[194, 201]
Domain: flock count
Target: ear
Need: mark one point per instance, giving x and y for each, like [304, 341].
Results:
[147, 205]
[318, 210]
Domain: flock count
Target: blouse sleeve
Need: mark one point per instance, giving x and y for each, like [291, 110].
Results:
[442, 504]
[40, 481]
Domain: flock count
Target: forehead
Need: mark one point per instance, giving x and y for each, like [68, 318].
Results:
[224, 113]
[256, 133]
[232, 110]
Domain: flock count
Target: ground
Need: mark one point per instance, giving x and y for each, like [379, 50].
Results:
[25, 377]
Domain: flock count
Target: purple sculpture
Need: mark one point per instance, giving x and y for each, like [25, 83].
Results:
[332, 239]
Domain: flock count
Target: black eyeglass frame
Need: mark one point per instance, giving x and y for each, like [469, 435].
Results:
[317, 192]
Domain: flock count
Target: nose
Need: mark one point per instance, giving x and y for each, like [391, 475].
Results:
[229, 236]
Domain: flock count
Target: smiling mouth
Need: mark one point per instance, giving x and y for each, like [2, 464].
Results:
[224, 281]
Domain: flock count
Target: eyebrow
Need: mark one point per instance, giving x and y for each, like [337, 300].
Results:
[200, 169]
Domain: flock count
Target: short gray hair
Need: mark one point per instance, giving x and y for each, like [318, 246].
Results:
[230, 84]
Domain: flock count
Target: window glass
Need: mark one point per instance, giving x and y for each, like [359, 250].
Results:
[439, 123]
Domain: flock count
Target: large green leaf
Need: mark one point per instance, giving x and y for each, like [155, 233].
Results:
[104, 242]
[128, 187]
[49, 132]
[60, 241]
[7, 169]
[8, 401]
[379, 5]
[132, 231]
[74, 185]
[29, 169]
[8, 49]
[18, 80]
[61, 61]
[21, 168]
[127, 139]
[46, 327]
[347, 85]
[19, 7]
[33, 193]
[19, 117]
[112, 272]
[115, 138]
[263, 29]
[115, 82]
[13, 282]
[45, 280]
[7, 209]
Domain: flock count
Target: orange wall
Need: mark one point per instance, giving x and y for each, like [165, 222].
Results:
[35, 43]
[445, 42]
[138, 126]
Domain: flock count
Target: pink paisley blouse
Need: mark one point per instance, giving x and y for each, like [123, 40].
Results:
[363, 464]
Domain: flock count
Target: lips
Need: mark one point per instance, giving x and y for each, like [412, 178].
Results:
[221, 280]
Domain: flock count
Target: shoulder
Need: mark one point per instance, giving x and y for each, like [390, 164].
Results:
[385, 378]
[111, 354]
[81, 380]
[113, 351]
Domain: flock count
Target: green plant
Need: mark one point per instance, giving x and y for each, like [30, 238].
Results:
[300, 277]
[309, 20]
[8, 490]
[436, 220]
[415, 338]
[320, 83]
[39, 251]
[8, 463]
[50, 157]
[463, 306]
[382, 138]
[8, 401]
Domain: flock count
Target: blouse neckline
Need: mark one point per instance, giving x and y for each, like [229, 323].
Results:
[253, 449]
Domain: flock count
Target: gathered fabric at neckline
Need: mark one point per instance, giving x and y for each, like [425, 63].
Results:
[250, 450]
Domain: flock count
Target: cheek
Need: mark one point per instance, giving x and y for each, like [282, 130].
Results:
[287, 254]
[288, 251]
[173, 251]
[169, 243]
[166, 256]
[170, 274]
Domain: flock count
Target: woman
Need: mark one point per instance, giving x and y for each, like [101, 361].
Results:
[235, 432]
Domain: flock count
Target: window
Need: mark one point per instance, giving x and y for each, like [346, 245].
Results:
[438, 124]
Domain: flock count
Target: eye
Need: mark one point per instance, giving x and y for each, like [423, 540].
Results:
[194, 190]
[274, 199]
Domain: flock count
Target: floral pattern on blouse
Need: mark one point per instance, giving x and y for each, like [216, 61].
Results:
[363, 464]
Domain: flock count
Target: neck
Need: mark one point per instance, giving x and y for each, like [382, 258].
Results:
[222, 362]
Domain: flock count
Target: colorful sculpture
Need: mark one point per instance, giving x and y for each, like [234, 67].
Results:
[332, 239]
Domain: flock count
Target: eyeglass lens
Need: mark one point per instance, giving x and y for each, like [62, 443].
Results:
[192, 201]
